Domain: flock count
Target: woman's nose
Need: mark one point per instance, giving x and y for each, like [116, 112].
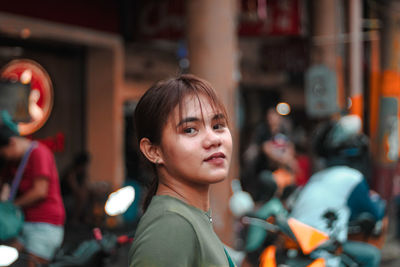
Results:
[211, 139]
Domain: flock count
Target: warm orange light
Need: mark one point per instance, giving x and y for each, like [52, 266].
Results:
[283, 178]
[308, 237]
[25, 33]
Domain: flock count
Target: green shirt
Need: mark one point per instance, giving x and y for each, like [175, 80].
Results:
[173, 233]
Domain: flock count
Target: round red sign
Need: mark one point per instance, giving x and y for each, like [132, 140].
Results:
[41, 95]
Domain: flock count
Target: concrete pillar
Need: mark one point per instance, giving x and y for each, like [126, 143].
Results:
[324, 31]
[355, 53]
[328, 49]
[105, 116]
[212, 45]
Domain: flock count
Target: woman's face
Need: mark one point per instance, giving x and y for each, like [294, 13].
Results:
[197, 147]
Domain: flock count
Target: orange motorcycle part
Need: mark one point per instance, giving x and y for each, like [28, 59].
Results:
[289, 243]
[267, 257]
[308, 237]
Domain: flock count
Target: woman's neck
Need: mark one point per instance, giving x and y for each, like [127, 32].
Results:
[197, 196]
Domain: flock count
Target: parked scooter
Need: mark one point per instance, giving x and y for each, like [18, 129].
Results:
[93, 252]
[291, 243]
[272, 238]
[282, 240]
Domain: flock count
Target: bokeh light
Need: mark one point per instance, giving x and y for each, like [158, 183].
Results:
[119, 201]
[283, 108]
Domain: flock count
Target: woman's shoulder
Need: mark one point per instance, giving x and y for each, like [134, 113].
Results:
[169, 217]
[166, 233]
[166, 204]
[165, 210]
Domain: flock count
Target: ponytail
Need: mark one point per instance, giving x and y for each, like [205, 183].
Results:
[152, 187]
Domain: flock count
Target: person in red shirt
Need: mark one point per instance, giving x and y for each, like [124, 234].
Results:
[38, 195]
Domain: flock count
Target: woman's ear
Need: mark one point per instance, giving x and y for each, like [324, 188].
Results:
[151, 151]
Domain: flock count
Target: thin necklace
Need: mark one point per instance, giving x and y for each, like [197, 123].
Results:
[208, 216]
[177, 194]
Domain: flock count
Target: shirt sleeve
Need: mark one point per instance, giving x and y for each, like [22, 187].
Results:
[40, 159]
[170, 241]
[360, 201]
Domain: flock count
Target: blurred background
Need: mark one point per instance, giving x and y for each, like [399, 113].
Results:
[90, 61]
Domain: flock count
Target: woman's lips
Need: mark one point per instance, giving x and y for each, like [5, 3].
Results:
[216, 158]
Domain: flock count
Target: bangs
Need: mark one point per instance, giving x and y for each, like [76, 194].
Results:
[197, 88]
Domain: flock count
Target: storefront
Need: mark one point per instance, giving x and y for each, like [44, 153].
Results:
[86, 71]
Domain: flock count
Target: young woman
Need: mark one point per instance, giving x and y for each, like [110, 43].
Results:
[183, 133]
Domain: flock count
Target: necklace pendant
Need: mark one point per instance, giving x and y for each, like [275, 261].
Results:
[209, 217]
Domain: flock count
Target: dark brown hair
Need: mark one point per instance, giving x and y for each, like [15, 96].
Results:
[155, 107]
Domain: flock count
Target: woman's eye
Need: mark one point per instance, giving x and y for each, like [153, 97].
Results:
[189, 130]
[219, 126]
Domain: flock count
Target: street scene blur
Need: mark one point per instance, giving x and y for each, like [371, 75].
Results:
[311, 89]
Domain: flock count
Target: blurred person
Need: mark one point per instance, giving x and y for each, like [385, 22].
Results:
[75, 189]
[278, 147]
[270, 149]
[303, 157]
[38, 195]
[183, 134]
[339, 189]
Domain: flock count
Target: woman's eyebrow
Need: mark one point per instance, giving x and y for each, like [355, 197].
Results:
[219, 116]
[186, 120]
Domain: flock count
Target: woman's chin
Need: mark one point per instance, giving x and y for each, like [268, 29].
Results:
[208, 177]
[218, 178]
